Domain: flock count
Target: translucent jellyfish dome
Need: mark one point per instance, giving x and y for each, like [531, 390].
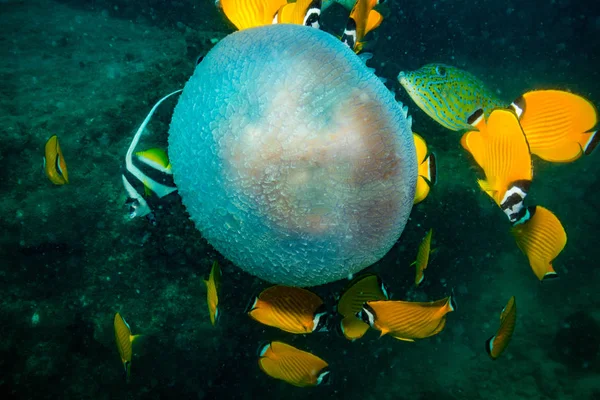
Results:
[292, 158]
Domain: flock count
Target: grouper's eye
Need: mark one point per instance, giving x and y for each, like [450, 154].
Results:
[441, 71]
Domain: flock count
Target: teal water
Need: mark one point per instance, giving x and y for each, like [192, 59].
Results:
[89, 71]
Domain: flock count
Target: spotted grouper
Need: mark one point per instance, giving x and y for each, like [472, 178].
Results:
[292, 158]
[448, 94]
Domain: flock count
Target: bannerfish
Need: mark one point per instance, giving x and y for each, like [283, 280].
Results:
[405, 320]
[54, 162]
[124, 340]
[422, 258]
[302, 12]
[541, 237]
[427, 169]
[213, 287]
[500, 148]
[245, 14]
[559, 125]
[448, 94]
[362, 20]
[291, 309]
[508, 319]
[294, 366]
[149, 172]
[360, 290]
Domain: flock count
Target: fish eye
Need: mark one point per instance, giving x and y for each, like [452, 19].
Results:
[441, 71]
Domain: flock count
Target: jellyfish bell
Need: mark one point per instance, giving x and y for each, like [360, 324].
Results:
[291, 157]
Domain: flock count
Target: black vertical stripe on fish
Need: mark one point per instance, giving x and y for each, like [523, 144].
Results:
[349, 36]
[474, 118]
[591, 144]
[321, 324]
[153, 173]
[367, 315]
[518, 106]
[137, 185]
[513, 202]
[313, 14]
[57, 165]
[432, 169]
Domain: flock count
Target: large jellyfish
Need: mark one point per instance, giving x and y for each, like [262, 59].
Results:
[291, 157]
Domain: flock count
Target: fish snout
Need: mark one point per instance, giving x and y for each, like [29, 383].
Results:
[403, 78]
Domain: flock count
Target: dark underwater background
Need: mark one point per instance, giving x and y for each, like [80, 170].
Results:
[90, 70]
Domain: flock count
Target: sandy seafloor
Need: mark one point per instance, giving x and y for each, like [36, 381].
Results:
[89, 71]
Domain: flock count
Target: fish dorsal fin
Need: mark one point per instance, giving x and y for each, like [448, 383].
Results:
[246, 14]
[373, 22]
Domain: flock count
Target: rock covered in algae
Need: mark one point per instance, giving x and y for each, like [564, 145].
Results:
[292, 158]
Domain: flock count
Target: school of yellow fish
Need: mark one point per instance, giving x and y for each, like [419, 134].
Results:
[554, 125]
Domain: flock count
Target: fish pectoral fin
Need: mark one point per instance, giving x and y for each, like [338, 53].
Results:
[134, 337]
[487, 187]
[147, 191]
[384, 331]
